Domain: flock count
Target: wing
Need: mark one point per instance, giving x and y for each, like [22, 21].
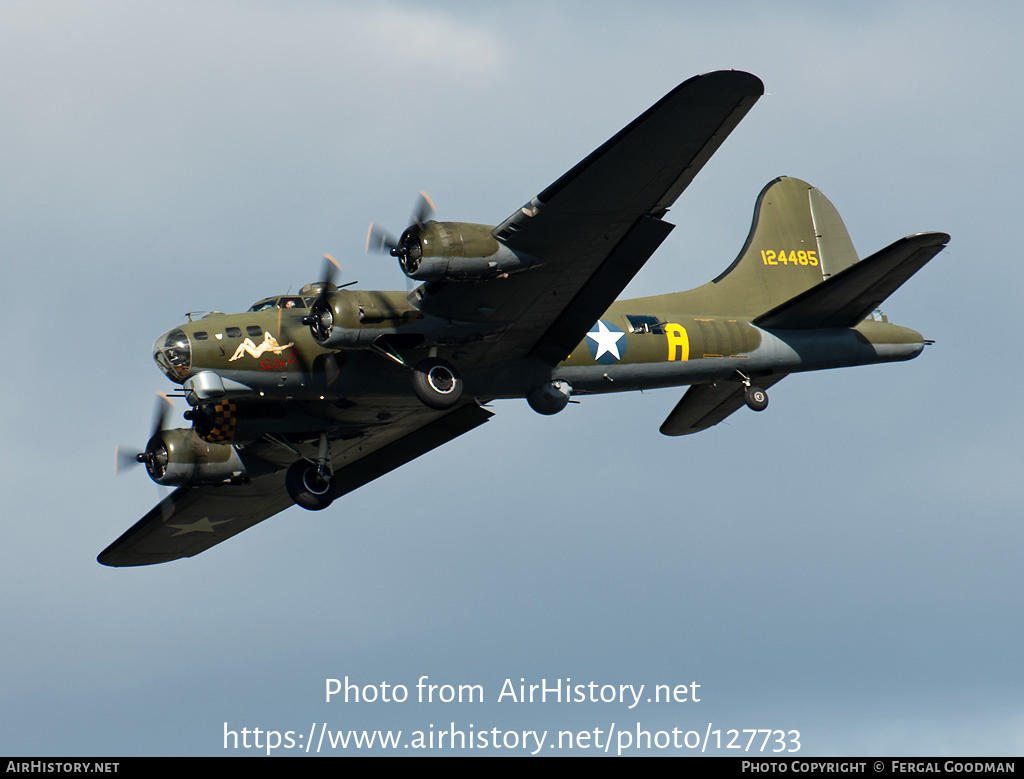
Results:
[705, 405]
[596, 226]
[192, 519]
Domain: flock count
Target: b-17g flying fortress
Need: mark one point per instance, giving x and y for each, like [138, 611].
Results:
[306, 397]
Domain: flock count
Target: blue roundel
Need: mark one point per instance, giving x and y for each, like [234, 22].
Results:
[607, 342]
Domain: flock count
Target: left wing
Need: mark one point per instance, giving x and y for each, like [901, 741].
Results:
[596, 226]
[192, 519]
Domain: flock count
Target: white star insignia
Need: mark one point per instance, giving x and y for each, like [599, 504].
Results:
[203, 525]
[605, 340]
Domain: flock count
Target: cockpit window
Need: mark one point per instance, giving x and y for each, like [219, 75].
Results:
[288, 301]
[173, 354]
[264, 304]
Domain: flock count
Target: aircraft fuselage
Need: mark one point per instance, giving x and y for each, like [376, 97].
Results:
[269, 354]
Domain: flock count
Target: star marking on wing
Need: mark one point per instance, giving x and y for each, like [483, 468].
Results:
[606, 341]
[202, 525]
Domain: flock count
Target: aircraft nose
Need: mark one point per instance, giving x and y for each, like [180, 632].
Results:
[173, 354]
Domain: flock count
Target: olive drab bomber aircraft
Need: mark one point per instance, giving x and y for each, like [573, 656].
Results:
[304, 398]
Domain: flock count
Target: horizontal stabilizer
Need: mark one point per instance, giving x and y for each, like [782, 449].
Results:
[705, 405]
[845, 299]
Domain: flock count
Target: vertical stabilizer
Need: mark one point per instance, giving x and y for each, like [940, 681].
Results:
[797, 239]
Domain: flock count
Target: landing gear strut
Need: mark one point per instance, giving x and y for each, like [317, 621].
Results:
[311, 485]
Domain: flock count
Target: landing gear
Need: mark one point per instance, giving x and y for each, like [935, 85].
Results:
[436, 383]
[309, 484]
[307, 487]
[755, 398]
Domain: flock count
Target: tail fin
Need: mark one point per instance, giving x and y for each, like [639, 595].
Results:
[797, 240]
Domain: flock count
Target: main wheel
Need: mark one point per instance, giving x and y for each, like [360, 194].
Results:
[436, 383]
[307, 488]
[756, 398]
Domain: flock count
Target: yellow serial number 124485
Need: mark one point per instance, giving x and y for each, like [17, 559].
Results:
[769, 257]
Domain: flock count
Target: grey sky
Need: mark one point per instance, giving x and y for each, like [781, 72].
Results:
[845, 564]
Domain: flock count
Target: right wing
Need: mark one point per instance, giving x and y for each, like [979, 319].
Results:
[192, 519]
[705, 405]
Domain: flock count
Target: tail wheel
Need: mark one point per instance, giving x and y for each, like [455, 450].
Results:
[436, 383]
[756, 398]
[307, 488]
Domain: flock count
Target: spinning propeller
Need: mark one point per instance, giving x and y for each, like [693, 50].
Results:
[407, 248]
[124, 457]
[320, 319]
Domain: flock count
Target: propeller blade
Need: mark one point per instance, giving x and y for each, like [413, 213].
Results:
[332, 268]
[128, 456]
[337, 267]
[319, 312]
[163, 405]
[424, 211]
[125, 457]
[331, 370]
[379, 240]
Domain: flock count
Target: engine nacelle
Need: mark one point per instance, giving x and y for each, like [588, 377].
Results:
[550, 398]
[349, 319]
[356, 319]
[176, 457]
[456, 251]
[241, 421]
